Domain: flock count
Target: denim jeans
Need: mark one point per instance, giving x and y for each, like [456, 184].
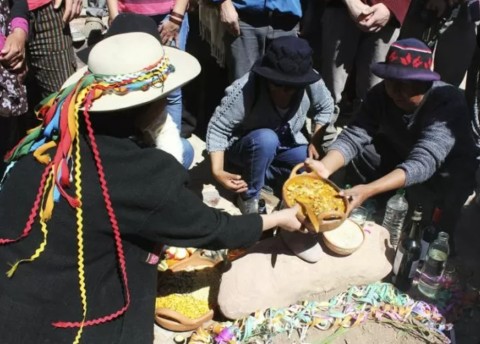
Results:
[260, 157]
[174, 99]
[97, 8]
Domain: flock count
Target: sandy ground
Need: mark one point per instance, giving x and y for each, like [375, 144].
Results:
[467, 328]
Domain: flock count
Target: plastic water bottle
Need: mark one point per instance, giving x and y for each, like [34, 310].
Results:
[434, 267]
[397, 207]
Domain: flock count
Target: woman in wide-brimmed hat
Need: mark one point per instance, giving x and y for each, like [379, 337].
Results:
[412, 131]
[86, 201]
[256, 132]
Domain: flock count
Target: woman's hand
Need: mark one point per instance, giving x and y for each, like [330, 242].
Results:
[169, 32]
[285, 219]
[357, 195]
[375, 18]
[318, 167]
[72, 10]
[230, 181]
[229, 17]
[12, 55]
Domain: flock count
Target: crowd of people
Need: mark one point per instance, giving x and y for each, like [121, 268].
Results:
[363, 92]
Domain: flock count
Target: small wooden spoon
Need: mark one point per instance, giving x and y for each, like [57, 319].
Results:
[310, 213]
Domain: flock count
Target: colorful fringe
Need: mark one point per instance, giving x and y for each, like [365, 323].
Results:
[380, 302]
[60, 131]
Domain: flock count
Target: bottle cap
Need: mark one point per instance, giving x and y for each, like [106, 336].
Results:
[443, 235]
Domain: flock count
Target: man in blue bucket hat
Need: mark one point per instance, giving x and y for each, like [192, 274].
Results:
[413, 131]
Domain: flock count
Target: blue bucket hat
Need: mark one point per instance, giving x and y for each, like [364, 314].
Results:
[287, 61]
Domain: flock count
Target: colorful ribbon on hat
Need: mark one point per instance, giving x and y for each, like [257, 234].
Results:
[59, 131]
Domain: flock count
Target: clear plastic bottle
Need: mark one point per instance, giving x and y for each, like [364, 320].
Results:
[395, 213]
[434, 267]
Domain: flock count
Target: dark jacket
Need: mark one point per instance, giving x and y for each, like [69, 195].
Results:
[437, 137]
[152, 205]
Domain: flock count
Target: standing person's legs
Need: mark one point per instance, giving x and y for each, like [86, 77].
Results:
[373, 48]
[340, 39]
[253, 154]
[241, 52]
[174, 99]
[50, 51]
[416, 21]
[455, 49]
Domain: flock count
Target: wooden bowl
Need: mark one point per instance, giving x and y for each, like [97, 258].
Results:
[328, 220]
[345, 239]
[174, 321]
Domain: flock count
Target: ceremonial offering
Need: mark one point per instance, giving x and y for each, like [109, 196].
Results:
[187, 294]
[322, 208]
[345, 239]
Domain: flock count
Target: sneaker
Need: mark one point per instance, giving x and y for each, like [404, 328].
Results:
[77, 36]
[249, 206]
[93, 27]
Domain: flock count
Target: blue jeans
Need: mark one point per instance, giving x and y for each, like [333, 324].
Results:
[261, 158]
[97, 8]
[174, 99]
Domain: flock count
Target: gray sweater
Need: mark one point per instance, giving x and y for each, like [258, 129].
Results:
[247, 106]
[437, 135]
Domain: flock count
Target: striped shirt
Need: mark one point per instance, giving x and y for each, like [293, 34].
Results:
[146, 7]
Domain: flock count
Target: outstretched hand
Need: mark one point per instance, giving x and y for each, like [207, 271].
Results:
[230, 181]
[285, 219]
[356, 195]
[318, 167]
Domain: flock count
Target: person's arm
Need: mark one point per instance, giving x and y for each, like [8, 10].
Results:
[360, 193]
[285, 218]
[322, 108]
[169, 29]
[376, 18]
[229, 181]
[397, 8]
[19, 9]
[357, 9]
[229, 17]
[112, 6]
[180, 218]
[229, 115]
[329, 164]
[72, 10]
[12, 53]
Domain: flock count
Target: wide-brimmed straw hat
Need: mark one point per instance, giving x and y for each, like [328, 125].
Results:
[124, 23]
[287, 61]
[121, 57]
[407, 59]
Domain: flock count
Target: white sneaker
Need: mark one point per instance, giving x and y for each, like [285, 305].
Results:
[249, 206]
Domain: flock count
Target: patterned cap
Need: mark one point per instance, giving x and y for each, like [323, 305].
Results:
[407, 59]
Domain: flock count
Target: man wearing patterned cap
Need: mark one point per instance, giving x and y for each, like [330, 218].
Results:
[412, 131]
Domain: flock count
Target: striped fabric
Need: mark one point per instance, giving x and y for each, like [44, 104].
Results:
[146, 7]
[50, 51]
